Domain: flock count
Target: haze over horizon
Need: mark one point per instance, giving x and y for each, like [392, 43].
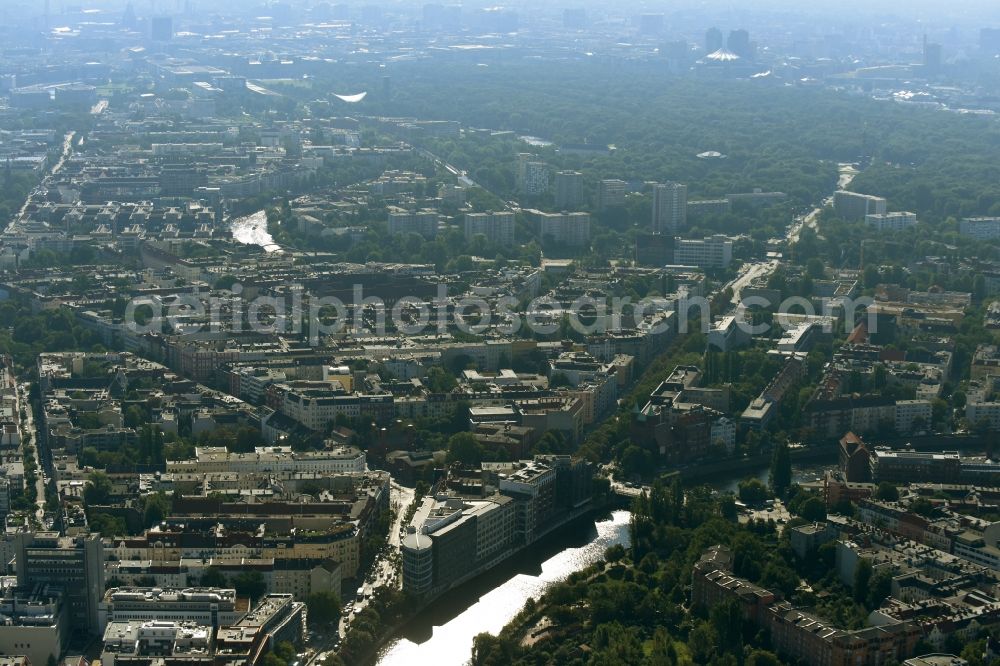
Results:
[572, 333]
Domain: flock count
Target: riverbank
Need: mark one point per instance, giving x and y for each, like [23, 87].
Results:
[565, 522]
[747, 466]
[442, 631]
[252, 230]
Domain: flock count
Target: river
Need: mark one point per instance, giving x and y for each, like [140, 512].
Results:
[807, 473]
[442, 635]
[252, 230]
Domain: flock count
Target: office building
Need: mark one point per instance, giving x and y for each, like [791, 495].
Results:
[532, 176]
[75, 564]
[317, 404]
[212, 459]
[533, 485]
[669, 208]
[891, 221]
[709, 208]
[852, 206]
[727, 334]
[562, 229]
[913, 415]
[568, 189]
[654, 249]
[711, 252]
[756, 199]
[978, 411]
[277, 618]
[933, 57]
[34, 623]
[611, 194]
[739, 43]
[980, 228]
[497, 227]
[422, 222]
[713, 40]
[162, 28]
[949, 467]
[451, 538]
[211, 606]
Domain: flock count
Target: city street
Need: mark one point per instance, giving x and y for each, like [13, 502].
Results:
[26, 427]
[65, 152]
[384, 572]
[28, 430]
[750, 272]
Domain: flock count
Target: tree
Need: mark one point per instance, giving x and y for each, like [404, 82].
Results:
[214, 578]
[813, 510]
[323, 606]
[862, 579]
[762, 658]
[779, 576]
[703, 641]
[922, 506]
[155, 508]
[614, 553]
[880, 377]
[752, 491]
[815, 268]
[979, 290]
[107, 525]
[559, 380]
[134, 417]
[781, 469]
[879, 589]
[225, 282]
[973, 652]
[285, 651]
[98, 489]
[887, 492]
[635, 462]
[440, 380]
[464, 448]
[271, 659]
[250, 584]
[727, 506]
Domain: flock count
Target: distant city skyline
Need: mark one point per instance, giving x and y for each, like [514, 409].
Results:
[846, 12]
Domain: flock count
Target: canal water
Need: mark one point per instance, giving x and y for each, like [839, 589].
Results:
[442, 635]
[252, 230]
[801, 474]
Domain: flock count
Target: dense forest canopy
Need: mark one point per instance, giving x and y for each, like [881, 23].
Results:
[775, 136]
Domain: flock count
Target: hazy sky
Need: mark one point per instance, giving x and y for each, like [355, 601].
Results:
[973, 12]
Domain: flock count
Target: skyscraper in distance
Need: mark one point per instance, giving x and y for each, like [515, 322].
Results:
[568, 189]
[128, 17]
[713, 40]
[162, 28]
[611, 194]
[739, 43]
[989, 40]
[669, 208]
[933, 56]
